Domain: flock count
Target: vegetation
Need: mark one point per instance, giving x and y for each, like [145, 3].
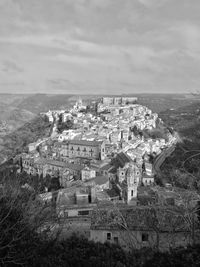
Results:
[61, 126]
[159, 132]
[181, 118]
[17, 141]
[21, 218]
[38, 184]
[182, 168]
[27, 239]
[24, 243]
[162, 102]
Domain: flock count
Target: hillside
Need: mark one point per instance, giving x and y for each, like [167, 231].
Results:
[17, 110]
[182, 168]
[181, 118]
[14, 118]
[16, 141]
[42, 102]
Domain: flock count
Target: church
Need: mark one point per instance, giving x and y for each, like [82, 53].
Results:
[129, 178]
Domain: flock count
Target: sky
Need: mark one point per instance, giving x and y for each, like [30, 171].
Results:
[99, 46]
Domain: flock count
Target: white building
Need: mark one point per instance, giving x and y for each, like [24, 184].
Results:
[87, 174]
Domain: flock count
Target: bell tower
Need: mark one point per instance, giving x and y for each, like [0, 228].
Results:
[133, 180]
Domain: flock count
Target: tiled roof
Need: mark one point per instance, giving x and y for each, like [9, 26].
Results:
[60, 164]
[138, 218]
[120, 160]
[85, 142]
[100, 180]
[106, 167]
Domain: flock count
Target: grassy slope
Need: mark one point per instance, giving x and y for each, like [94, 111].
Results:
[179, 168]
[30, 132]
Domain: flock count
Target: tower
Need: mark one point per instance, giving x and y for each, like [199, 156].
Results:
[133, 180]
[121, 173]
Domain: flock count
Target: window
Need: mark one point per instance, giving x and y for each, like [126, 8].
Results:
[132, 193]
[108, 236]
[83, 212]
[145, 237]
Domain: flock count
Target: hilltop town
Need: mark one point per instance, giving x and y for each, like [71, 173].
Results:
[102, 156]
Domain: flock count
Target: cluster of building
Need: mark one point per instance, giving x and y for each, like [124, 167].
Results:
[100, 159]
[101, 148]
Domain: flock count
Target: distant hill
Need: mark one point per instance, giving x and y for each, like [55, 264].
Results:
[159, 103]
[37, 103]
[42, 102]
[15, 117]
[182, 118]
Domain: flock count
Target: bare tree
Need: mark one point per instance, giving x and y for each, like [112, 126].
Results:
[21, 220]
[165, 224]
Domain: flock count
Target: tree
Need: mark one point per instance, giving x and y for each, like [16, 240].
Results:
[65, 126]
[21, 220]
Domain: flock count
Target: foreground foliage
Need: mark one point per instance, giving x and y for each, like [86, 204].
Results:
[22, 244]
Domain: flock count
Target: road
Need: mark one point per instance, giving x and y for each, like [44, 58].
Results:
[161, 158]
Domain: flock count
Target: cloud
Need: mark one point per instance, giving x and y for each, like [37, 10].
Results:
[152, 3]
[87, 45]
[11, 67]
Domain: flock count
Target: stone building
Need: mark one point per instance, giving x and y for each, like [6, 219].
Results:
[129, 178]
[137, 227]
[133, 179]
[118, 100]
[87, 174]
[83, 148]
[148, 180]
[42, 166]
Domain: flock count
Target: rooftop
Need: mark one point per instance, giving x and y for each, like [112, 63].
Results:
[100, 180]
[138, 218]
[85, 142]
[60, 164]
[120, 160]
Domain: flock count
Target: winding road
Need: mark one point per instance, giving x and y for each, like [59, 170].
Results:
[161, 158]
[165, 154]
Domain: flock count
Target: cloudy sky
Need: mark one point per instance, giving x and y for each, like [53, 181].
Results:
[99, 46]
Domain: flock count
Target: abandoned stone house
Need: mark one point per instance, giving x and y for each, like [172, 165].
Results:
[137, 227]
